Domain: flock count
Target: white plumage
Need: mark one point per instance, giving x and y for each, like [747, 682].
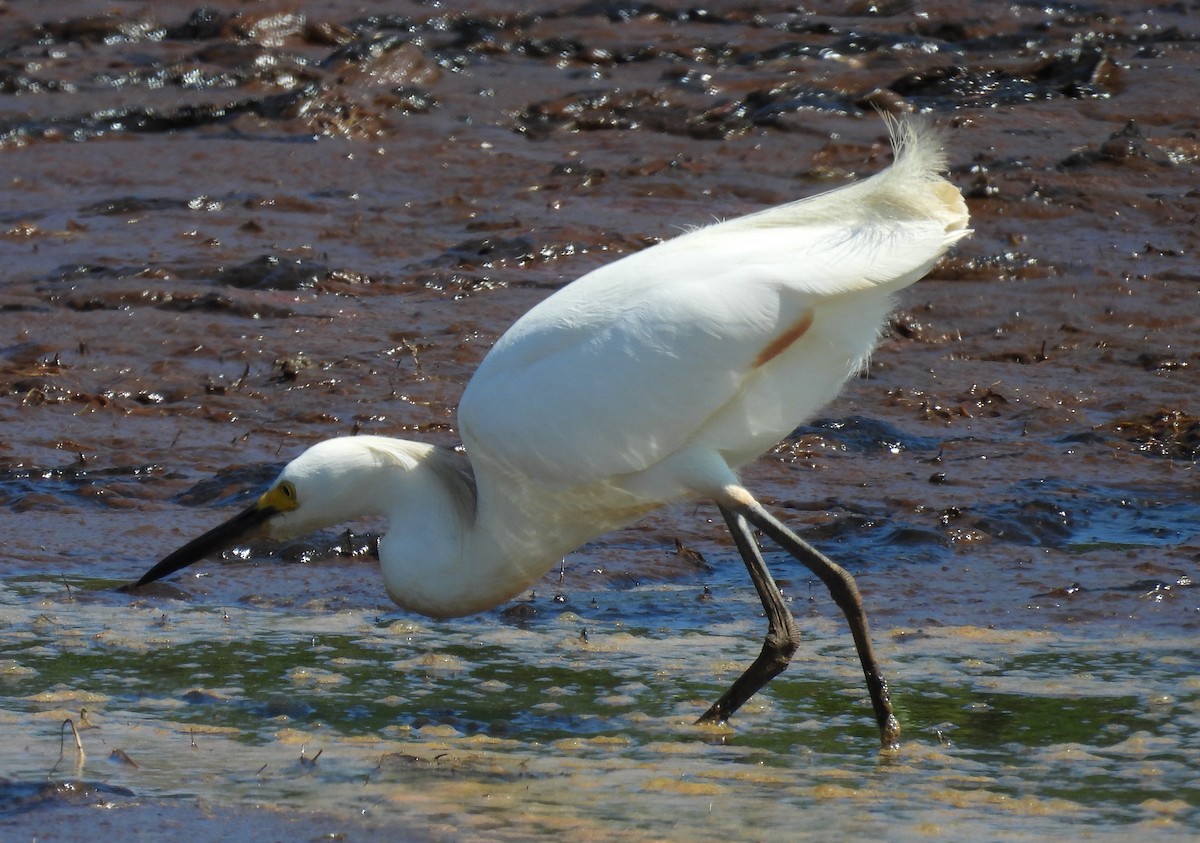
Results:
[645, 381]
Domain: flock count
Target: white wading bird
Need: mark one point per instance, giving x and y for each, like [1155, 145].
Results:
[645, 381]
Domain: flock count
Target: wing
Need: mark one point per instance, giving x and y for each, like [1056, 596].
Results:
[626, 365]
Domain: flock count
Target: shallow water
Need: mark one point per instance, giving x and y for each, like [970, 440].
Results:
[229, 234]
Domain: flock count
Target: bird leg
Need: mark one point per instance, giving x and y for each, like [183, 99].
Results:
[739, 507]
[782, 637]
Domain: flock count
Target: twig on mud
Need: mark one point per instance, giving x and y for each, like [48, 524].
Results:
[62, 745]
[63, 738]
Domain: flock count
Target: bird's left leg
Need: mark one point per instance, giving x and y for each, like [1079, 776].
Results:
[841, 587]
[782, 637]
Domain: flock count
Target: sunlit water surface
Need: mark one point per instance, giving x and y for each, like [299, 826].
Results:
[582, 720]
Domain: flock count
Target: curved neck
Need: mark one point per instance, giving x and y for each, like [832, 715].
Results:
[461, 539]
[445, 552]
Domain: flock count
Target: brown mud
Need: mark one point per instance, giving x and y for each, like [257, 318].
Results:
[231, 231]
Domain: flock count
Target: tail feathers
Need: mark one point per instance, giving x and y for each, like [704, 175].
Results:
[912, 188]
[915, 178]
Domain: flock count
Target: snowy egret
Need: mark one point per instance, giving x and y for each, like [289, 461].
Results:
[645, 381]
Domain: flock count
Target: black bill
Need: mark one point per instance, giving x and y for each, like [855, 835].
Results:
[214, 541]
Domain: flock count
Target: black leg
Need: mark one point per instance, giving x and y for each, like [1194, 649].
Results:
[782, 638]
[841, 587]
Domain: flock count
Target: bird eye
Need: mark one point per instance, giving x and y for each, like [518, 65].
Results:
[279, 498]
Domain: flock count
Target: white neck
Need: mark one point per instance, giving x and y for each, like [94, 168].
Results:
[454, 549]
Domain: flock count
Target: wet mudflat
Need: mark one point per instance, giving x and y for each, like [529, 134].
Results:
[233, 231]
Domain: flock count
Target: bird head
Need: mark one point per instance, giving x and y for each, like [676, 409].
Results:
[331, 482]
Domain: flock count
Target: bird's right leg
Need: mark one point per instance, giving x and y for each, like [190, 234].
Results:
[782, 637]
